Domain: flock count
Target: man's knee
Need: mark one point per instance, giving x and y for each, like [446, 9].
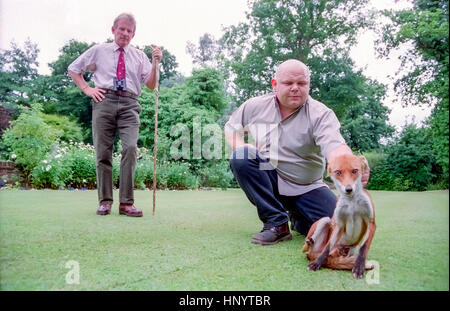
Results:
[240, 158]
[129, 151]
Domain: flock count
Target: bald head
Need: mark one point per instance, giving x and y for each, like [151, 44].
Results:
[289, 65]
[291, 85]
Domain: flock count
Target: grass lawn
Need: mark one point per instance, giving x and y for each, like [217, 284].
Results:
[200, 240]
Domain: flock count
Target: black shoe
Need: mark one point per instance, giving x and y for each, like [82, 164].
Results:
[273, 235]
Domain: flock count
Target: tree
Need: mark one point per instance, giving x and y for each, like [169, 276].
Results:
[204, 89]
[18, 69]
[207, 51]
[169, 64]
[201, 97]
[318, 33]
[412, 159]
[68, 53]
[280, 30]
[422, 32]
[367, 123]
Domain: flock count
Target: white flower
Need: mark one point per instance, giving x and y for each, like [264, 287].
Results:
[13, 156]
[48, 167]
[58, 156]
[84, 181]
[45, 161]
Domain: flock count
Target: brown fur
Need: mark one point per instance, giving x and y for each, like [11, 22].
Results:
[343, 241]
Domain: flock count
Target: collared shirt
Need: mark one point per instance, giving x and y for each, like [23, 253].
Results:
[102, 60]
[296, 146]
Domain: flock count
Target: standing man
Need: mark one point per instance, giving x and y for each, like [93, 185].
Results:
[119, 69]
[283, 171]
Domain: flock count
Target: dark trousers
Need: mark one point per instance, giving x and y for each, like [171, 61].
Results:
[261, 188]
[115, 113]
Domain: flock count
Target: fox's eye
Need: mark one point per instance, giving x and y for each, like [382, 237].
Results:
[338, 173]
[355, 171]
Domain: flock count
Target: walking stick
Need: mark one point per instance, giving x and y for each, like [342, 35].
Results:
[155, 145]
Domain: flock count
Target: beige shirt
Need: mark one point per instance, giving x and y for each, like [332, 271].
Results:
[101, 59]
[296, 146]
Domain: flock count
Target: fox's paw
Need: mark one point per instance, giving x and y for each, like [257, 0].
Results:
[358, 270]
[314, 266]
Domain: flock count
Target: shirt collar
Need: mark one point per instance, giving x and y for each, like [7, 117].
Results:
[277, 105]
[116, 47]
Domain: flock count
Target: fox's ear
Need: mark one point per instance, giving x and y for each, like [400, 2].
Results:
[364, 164]
[328, 170]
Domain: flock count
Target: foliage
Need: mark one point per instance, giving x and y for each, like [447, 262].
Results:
[412, 157]
[217, 174]
[367, 123]
[169, 64]
[177, 175]
[68, 53]
[70, 130]
[319, 33]
[408, 164]
[29, 138]
[205, 90]
[18, 69]
[66, 165]
[422, 32]
[207, 52]
[201, 98]
[280, 30]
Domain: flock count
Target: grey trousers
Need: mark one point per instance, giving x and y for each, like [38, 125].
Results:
[115, 113]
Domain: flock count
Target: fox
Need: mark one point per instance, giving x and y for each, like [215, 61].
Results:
[343, 241]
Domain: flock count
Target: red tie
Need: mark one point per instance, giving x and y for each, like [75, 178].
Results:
[121, 66]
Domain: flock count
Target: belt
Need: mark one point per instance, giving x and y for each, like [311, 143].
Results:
[121, 93]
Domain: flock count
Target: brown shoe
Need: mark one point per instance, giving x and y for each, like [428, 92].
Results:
[273, 235]
[129, 210]
[104, 209]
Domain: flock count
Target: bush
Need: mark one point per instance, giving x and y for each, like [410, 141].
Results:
[177, 175]
[68, 165]
[70, 130]
[29, 139]
[54, 171]
[83, 166]
[217, 174]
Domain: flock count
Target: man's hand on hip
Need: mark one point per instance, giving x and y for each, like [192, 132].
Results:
[95, 92]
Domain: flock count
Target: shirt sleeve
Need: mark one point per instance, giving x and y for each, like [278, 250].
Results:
[85, 62]
[326, 132]
[236, 122]
[146, 68]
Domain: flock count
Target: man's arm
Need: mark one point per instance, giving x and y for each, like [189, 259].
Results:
[154, 73]
[344, 149]
[94, 92]
[236, 141]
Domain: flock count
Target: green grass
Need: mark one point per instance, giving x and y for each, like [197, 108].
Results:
[200, 240]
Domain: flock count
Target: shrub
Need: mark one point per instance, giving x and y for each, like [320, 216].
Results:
[83, 165]
[66, 165]
[29, 139]
[70, 130]
[54, 171]
[217, 174]
[177, 175]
